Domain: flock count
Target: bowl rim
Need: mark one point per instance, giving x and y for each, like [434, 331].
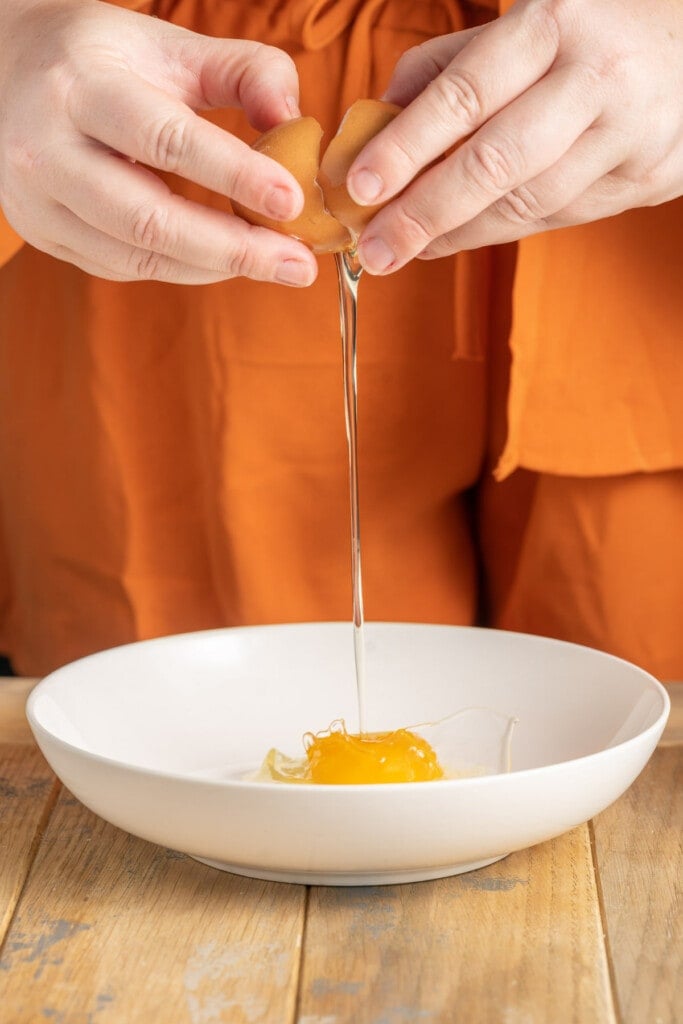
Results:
[641, 738]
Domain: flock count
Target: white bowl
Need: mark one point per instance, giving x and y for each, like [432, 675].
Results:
[145, 735]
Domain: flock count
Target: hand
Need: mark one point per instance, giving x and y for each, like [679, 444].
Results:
[88, 89]
[574, 111]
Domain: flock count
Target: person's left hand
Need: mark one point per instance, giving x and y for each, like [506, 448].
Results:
[574, 111]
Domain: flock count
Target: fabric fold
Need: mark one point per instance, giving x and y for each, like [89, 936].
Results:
[597, 364]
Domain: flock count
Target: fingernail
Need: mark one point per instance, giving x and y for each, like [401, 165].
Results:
[375, 255]
[295, 272]
[293, 106]
[365, 186]
[280, 203]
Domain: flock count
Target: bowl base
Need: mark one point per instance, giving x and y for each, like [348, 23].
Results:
[351, 878]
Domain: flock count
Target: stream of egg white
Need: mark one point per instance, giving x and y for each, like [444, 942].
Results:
[349, 271]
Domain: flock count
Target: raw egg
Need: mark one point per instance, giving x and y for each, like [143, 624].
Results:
[330, 220]
[468, 742]
[337, 757]
[399, 756]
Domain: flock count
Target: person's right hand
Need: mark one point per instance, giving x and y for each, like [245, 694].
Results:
[88, 89]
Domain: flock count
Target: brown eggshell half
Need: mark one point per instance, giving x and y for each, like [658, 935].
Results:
[363, 120]
[330, 221]
[296, 145]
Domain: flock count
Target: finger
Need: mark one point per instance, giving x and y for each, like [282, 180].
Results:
[146, 124]
[109, 259]
[497, 64]
[585, 173]
[421, 64]
[514, 147]
[126, 262]
[137, 208]
[68, 255]
[260, 79]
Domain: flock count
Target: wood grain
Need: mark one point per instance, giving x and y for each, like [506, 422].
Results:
[113, 929]
[639, 855]
[27, 792]
[13, 695]
[673, 733]
[519, 942]
[109, 929]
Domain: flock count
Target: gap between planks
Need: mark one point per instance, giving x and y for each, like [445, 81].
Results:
[605, 927]
[12, 698]
[29, 793]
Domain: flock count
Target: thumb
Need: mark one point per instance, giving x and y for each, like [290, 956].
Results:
[260, 79]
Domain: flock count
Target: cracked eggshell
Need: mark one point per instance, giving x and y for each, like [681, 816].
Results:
[296, 145]
[330, 221]
[362, 121]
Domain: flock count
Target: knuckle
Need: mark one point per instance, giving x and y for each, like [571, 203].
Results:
[145, 266]
[23, 155]
[36, 164]
[460, 94]
[418, 59]
[493, 165]
[520, 206]
[416, 68]
[64, 83]
[550, 18]
[277, 58]
[168, 142]
[593, 77]
[650, 174]
[652, 181]
[415, 226]
[240, 260]
[408, 60]
[149, 226]
[264, 57]
[408, 151]
[20, 157]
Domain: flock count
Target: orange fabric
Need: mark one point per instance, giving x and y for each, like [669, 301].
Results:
[174, 458]
[598, 561]
[597, 340]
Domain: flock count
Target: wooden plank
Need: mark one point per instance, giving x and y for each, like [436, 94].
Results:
[13, 695]
[673, 732]
[28, 790]
[519, 942]
[112, 926]
[639, 853]
[113, 929]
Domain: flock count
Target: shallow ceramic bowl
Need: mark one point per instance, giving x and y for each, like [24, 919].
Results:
[148, 735]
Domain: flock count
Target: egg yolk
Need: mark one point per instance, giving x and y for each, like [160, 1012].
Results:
[374, 757]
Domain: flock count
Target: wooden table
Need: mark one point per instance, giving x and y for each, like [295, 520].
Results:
[101, 928]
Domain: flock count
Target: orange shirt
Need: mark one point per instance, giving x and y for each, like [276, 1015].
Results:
[174, 458]
[624, 362]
